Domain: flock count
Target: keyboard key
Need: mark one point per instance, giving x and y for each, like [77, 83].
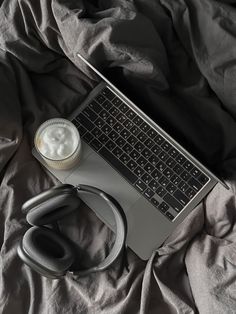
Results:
[135, 130]
[103, 138]
[111, 121]
[163, 181]
[117, 152]
[118, 165]
[149, 167]
[195, 172]
[110, 145]
[156, 149]
[128, 124]
[125, 134]
[159, 139]
[139, 171]
[117, 101]
[183, 186]
[120, 142]
[124, 158]
[134, 154]
[188, 165]
[155, 202]
[169, 215]
[152, 133]
[75, 122]
[185, 175]
[194, 184]
[142, 136]
[130, 114]
[203, 179]
[153, 160]
[90, 114]
[161, 191]
[178, 169]
[161, 166]
[113, 135]
[95, 144]
[81, 130]
[137, 120]
[99, 123]
[153, 185]
[118, 127]
[175, 179]
[141, 161]
[163, 207]
[96, 132]
[181, 197]
[170, 162]
[146, 153]
[149, 143]
[131, 165]
[107, 93]
[163, 156]
[171, 188]
[190, 193]
[121, 117]
[88, 137]
[173, 152]
[156, 174]
[106, 129]
[132, 140]
[139, 146]
[168, 173]
[166, 146]
[85, 122]
[140, 185]
[180, 159]
[148, 193]
[144, 127]
[124, 108]
[173, 202]
[95, 106]
[107, 105]
[127, 148]
[100, 99]
[146, 178]
[104, 115]
[114, 111]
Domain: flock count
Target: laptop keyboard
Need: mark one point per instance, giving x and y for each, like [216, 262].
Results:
[154, 167]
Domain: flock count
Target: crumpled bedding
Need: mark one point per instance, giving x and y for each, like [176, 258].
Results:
[176, 60]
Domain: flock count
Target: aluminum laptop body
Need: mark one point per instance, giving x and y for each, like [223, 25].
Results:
[126, 154]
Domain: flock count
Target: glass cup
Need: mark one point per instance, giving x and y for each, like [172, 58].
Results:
[58, 142]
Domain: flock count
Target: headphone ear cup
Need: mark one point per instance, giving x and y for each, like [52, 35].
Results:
[47, 252]
[52, 205]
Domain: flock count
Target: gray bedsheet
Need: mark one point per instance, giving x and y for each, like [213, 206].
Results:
[177, 60]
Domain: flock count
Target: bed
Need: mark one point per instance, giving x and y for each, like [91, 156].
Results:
[176, 60]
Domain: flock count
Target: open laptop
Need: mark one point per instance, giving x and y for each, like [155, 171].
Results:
[126, 154]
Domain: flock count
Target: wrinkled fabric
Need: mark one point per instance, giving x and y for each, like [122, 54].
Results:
[176, 60]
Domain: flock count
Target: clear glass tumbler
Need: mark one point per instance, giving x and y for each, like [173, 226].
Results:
[58, 142]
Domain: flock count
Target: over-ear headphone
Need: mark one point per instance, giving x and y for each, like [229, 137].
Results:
[50, 253]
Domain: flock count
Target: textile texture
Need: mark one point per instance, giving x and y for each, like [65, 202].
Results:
[176, 61]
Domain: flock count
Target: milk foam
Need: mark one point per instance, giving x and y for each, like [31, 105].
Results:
[57, 142]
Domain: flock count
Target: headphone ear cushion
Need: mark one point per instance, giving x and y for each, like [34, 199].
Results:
[47, 251]
[53, 208]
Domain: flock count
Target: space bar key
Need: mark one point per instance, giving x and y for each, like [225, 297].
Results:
[118, 165]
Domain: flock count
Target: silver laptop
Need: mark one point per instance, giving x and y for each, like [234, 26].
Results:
[126, 154]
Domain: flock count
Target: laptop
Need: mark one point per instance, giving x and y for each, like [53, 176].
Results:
[126, 154]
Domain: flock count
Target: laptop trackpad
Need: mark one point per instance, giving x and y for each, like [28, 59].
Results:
[94, 170]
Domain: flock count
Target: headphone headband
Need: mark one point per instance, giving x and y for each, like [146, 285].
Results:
[121, 228]
[48, 252]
